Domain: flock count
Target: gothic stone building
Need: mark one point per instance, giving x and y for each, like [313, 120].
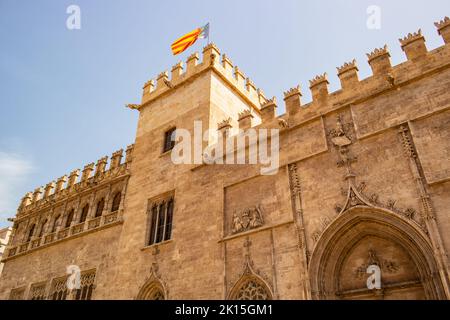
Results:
[363, 180]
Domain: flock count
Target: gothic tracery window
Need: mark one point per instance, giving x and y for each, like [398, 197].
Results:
[58, 289]
[84, 213]
[56, 223]
[99, 209]
[160, 221]
[69, 218]
[152, 290]
[86, 286]
[37, 291]
[156, 295]
[252, 290]
[43, 228]
[31, 232]
[17, 294]
[116, 202]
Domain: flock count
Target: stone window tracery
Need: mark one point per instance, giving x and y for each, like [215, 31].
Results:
[116, 202]
[160, 220]
[86, 286]
[84, 213]
[58, 290]
[252, 290]
[100, 206]
[31, 232]
[17, 294]
[69, 218]
[56, 223]
[37, 291]
[43, 227]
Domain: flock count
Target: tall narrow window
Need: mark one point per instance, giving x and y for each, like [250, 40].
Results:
[58, 290]
[169, 140]
[169, 216]
[99, 210]
[56, 223]
[161, 218]
[69, 218]
[86, 286]
[154, 218]
[84, 213]
[43, 227]
[31, 232]
[116, 202]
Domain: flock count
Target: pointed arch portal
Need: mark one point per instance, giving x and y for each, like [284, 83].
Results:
[363, 236]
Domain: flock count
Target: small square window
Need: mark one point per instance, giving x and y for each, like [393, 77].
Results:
[169, 140]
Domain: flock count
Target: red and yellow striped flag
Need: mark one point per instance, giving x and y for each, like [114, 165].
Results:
[189, 39]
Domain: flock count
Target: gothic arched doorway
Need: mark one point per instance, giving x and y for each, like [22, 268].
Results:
[361, 237]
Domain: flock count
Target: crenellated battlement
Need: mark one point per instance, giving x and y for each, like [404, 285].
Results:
[443, 28]
[346, 67]
[384, 77]
[377, 52]
[211, 60]
[65, 186]
[411, 37]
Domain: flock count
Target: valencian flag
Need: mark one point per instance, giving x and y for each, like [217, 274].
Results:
[189, 39]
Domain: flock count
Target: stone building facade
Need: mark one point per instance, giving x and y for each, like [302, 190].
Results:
[4, 240]
[363, 180]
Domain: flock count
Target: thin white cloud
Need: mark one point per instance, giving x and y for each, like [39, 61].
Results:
[14, 169]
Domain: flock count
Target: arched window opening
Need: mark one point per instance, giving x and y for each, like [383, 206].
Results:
[56, 223]
[84, 213]
[43, 228]
[152, 290]
[31, 232]
[99, 210]
[252, 290]
[86, 286]
[116, 202]
[69, 218]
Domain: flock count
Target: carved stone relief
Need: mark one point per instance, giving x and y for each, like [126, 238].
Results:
[247, 219]
[387, 266]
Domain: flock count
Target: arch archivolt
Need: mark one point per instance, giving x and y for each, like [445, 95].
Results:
[362, 234]
[251, 284]
[154, 287]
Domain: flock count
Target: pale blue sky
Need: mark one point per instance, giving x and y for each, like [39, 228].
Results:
[63, 92]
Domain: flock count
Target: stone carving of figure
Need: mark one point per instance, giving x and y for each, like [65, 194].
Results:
[237, 223]
[255, 218]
